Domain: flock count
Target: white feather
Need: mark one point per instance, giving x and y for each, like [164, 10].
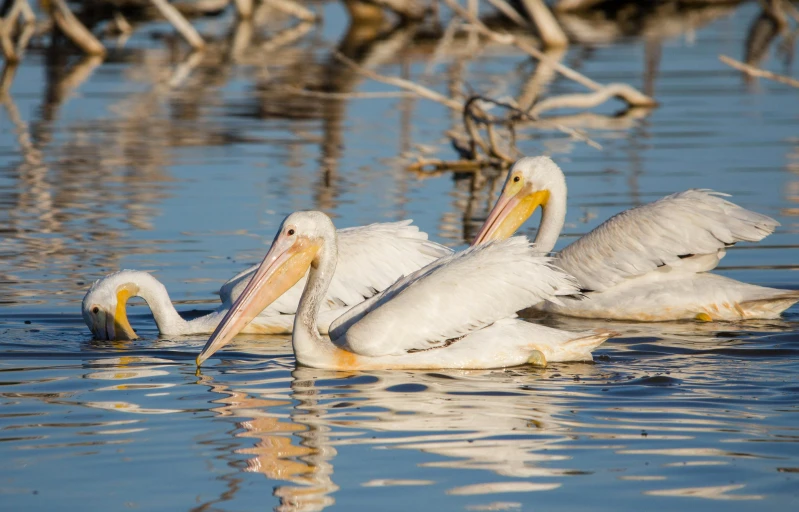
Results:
[371, 258]
[452, 297]
[637, 241]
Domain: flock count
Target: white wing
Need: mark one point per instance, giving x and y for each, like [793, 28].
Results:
[371, 258]
[450, 298]
[689, 229]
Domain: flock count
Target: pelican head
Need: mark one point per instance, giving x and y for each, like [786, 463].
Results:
[530, 184]
[293, 251]
[104, 306]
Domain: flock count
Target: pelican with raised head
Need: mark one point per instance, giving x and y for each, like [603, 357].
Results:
[649, 263]
[456, 312]
[372, 258]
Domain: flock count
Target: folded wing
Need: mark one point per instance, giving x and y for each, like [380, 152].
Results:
[452, 297]
[689, 229]
[371, 258]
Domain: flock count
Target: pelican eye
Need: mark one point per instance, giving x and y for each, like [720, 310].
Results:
[95, 310]
[516, 179]
[290, 232]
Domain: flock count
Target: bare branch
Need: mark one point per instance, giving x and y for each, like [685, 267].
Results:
[435, 166]
[180, 23]
[753, 71]
[506, 9]
[293, 8]
[631, 95]
[74, 29]
[586, 100]
[547, 25]
[345, 95]
[244, 8]
[420, 90]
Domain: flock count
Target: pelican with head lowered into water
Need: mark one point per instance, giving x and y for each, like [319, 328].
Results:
[372, 258]
[456, 312]
[649, 263]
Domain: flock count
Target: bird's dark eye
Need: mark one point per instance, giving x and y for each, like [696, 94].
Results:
[95, 310]
[290, 232]
[516, 179]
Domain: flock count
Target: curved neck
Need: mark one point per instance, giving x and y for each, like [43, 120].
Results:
[553, 216]
[308, 343]
[166, 316]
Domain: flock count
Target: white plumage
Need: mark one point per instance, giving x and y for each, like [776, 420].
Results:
[452, 297]
[371, 258]
[454, 313]
[374, 256]
[688, 231]
[648, 263]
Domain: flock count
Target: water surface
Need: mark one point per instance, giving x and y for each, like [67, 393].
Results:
[154, 161]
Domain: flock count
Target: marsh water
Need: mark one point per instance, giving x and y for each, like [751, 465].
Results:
[184, 166]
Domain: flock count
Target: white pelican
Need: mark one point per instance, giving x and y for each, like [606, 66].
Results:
[456, 312]
[372, 258]
[648, 263]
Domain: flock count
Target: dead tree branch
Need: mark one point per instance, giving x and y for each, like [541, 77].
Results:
[758, 72]
[295, 9]
[629, 94]
[180, 23]
[420, 90]
[74, 29]
[545, 22]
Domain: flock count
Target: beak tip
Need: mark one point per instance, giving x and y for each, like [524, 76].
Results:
[199, 360]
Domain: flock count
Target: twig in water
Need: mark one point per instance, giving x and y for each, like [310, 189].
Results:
[627, 93]
[435, 166]
[293, 8]
[420, 90]
[547, 25]
[244, 8]
[506, 9]
[180, 23]
[74, 29]
[346, 95]
[753, 71]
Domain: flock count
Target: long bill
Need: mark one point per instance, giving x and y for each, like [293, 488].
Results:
[510, 212]
[284, 265]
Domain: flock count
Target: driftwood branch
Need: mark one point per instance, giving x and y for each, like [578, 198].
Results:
[244, 8]
[180, 23]
[295, 9]
[511, 13]
[74, 29]
[407, 9]
[758, 72]
[629, 94]
[584, 101]
[435, 166]
[575, 5]
[545, 22]
[417, 89]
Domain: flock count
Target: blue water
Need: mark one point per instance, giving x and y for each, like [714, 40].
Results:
[118, 171]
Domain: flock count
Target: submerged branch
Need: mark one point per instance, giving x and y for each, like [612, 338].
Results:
[74, 29]
[180, 23]
[417, 89]
[627, 93]
[758, 72]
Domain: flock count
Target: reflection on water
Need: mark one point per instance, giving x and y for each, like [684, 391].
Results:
[653, 425]
[162, 159]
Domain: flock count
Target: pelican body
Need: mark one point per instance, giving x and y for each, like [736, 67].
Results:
[649, 263]
[373, 257]
[456, 312]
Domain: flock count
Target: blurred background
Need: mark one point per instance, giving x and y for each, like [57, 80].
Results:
[177, 145]
[160, 157]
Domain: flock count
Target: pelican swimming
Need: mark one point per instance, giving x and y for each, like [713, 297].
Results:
[372, 258]
[649, 263]
[456, 312]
